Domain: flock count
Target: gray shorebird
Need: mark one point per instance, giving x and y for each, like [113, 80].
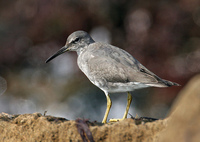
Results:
[110, 68]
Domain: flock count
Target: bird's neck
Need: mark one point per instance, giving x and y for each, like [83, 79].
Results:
[80, 50]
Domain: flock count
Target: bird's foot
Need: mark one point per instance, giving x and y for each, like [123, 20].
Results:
[116, 120]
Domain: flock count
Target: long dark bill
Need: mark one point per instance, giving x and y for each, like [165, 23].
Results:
[62, 50]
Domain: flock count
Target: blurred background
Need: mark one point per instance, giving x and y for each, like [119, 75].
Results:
[163, 35]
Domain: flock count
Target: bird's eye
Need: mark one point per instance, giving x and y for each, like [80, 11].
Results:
[142, 70]
[76, 40]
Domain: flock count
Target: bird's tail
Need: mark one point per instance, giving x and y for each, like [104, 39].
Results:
[169, 83]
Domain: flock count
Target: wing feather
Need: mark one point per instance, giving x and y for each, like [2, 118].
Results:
[113, 64]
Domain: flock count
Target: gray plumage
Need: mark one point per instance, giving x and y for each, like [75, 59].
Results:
[111, 69]
[108, 67]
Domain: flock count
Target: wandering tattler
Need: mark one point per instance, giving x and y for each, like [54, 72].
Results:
[110, 68]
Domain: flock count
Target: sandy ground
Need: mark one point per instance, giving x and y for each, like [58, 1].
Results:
[182, 125]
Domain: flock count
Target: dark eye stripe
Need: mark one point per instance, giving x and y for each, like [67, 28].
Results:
[76, 40]
[142, 70]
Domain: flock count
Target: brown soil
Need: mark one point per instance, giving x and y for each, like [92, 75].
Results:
[183, 124]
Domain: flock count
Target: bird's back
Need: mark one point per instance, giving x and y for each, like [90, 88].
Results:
[108, 67]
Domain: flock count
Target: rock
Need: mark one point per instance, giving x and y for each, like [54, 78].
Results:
[182, 125]
[184, 120]
[35, 127]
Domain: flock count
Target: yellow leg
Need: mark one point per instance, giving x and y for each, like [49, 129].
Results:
[109, 104]
[129, 99]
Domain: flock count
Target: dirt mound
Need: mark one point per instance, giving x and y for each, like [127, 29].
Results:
[31, 127]
[182, 125]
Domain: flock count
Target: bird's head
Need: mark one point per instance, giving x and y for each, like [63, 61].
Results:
[75, 42]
